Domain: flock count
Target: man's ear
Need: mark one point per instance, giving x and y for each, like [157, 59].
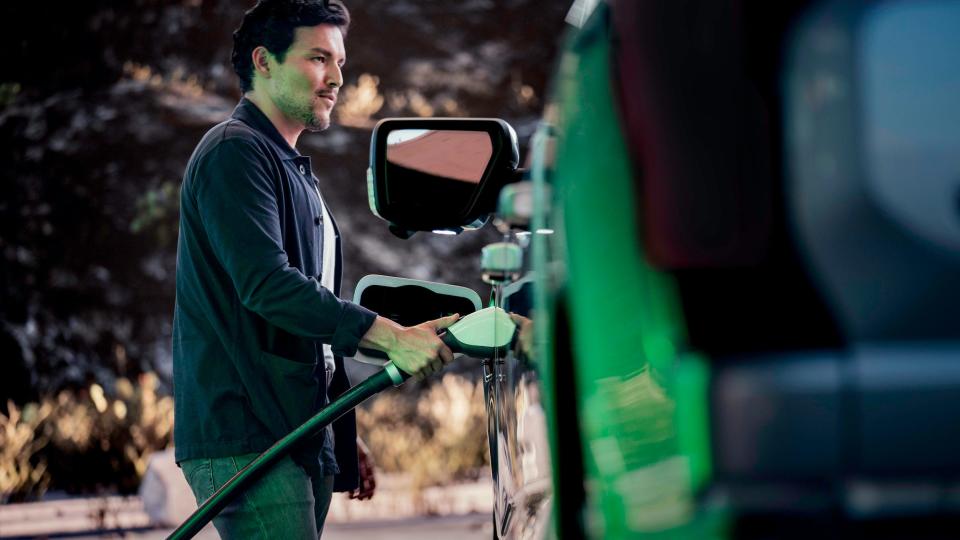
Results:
[261, 61]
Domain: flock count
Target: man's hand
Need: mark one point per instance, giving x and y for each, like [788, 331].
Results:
[416, 350]
[368, 480]
[525, 340]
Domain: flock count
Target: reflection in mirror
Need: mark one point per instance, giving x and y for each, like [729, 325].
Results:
[456, 155]
[911, 74]
[437, 171]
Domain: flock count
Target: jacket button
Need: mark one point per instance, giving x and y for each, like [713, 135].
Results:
[303, 170]
[316, 220]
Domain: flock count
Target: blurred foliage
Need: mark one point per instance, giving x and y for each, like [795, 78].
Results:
[435, 431]
[84, 441]
[23, 473]
[156, 205]
[8, 92]
[359, 102]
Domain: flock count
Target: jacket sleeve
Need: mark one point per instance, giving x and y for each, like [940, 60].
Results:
[236, 194]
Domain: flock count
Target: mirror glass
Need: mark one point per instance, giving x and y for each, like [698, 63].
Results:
[436, 170]
[910, 52]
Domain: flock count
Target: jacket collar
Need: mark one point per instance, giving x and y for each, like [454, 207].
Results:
[248, 113]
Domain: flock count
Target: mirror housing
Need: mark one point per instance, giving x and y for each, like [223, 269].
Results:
[433, 196]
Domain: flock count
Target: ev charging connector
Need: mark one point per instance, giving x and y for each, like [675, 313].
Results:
[482, 334]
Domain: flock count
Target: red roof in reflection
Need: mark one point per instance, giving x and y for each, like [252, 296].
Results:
[460, 155]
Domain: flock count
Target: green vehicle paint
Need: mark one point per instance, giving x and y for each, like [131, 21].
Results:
[641, 399]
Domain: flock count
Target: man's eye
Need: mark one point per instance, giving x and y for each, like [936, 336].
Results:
[320, 58]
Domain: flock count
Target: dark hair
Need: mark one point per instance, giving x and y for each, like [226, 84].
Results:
[272, 23]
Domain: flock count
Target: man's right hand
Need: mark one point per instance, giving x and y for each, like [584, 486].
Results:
[416, 350]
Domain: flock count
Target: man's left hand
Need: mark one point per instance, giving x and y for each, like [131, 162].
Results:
[368, 480]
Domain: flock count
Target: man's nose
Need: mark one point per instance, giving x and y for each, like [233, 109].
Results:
[334, 77]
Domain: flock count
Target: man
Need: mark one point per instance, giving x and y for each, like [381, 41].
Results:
[259, 333]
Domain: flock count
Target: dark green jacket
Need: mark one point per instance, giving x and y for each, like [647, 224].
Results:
[250, 313]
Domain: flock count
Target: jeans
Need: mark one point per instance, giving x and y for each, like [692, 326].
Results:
[284, 503]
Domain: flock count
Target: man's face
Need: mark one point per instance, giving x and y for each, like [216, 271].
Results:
[304, 87]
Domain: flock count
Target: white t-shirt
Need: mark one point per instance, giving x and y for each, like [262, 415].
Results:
[329, 269]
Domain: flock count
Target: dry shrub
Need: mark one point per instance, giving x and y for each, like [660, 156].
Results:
[437, 435]
[84, 441]
[92, 441]
[23, 473]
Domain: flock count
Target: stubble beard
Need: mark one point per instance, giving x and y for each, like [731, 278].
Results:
[306, 113]
[315, 122]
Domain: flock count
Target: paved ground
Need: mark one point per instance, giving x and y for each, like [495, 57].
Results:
[393, 513]
[468, 527]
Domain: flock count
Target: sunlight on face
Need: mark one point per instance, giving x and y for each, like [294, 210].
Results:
[305, 85]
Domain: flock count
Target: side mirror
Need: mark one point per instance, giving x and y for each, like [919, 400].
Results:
[439, 174]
